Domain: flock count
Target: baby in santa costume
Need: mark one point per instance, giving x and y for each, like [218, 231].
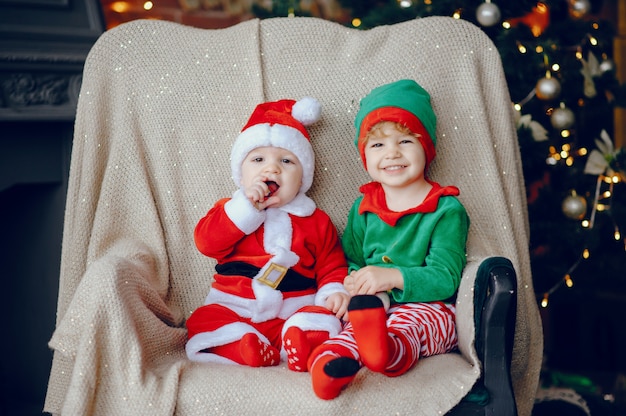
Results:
[278, 291]
[405, 236]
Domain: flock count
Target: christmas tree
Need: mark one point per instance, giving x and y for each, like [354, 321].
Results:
[557, 58]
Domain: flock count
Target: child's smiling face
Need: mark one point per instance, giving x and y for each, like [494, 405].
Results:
[394, 158]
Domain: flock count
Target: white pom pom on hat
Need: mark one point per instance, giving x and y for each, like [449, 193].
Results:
[307, 110]
[279, 124]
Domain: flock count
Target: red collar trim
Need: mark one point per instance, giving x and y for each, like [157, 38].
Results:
[374, 201]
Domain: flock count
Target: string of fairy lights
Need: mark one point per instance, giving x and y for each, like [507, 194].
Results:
[562, 118]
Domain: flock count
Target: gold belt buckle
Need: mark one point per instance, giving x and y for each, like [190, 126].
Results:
[273, 275]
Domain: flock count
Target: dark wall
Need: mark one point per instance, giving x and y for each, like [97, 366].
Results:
[43, 46]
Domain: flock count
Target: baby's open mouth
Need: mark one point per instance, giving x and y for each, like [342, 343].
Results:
[273, 187]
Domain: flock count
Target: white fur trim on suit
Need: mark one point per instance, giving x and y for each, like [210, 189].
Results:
[328, 289]
[311, 321]
[243, 214]
[277, 135]
[277, 241]
[221, 336]
[300, 206]
[246, 307]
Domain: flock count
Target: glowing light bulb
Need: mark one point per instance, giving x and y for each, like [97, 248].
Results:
[120, 6]
[586, 253]
[568, 280]
[544, 301]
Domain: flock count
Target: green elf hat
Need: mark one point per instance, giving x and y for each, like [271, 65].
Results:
[405, 102]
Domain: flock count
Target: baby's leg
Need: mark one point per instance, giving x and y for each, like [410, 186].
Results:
[304, 331]
[218, 334]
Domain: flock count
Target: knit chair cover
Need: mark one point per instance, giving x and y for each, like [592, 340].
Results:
[159, 109]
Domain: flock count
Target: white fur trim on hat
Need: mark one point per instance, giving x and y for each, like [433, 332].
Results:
[278, 135]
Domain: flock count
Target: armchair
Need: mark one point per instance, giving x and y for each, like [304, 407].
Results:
[159, 107]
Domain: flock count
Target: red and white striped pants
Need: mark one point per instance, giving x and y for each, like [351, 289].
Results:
[416, 330]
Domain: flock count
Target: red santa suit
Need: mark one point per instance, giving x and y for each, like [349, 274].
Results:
[296, 240]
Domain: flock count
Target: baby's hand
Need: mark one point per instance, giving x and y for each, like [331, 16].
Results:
[260, 194]
[338, 304]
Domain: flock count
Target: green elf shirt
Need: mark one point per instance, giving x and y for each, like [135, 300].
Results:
[426, 243]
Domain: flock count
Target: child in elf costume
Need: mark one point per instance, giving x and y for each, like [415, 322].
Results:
[405, 236]
[278, 291]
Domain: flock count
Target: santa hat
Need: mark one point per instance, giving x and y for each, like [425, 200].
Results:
[279, 124]
[404, 102]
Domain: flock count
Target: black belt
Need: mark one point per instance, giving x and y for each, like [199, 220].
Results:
[292, 282]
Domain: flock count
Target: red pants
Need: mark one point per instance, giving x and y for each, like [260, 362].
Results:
[215, 325]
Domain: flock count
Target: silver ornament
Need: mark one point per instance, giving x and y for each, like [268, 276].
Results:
[488, 14]
[574, 207]
[548, 88]
[579, 8]
[562, 118]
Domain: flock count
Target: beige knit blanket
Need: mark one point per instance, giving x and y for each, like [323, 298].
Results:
[159, 108]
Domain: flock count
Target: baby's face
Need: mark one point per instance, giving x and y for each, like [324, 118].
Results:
[279, 168]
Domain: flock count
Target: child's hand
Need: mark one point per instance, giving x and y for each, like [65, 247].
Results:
[373, 279]
[338, 304]
[350, 284]
[260, 196]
